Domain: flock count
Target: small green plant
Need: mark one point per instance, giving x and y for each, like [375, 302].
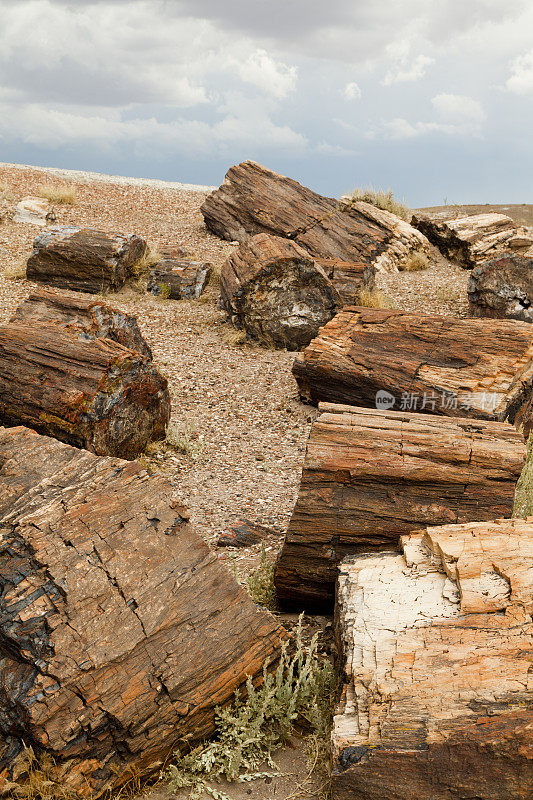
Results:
[185, 441]
[34, 778]
[261, 582]
[61, 195]
[415, 263]
[164, 291]
[373, 298]
[523, 499]
[379, 198]
[300, 692]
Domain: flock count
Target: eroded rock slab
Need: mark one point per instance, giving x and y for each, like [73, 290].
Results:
[502, 288]
[437, 644]
[121, 630]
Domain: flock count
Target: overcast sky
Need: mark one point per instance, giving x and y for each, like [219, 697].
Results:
[432, 98]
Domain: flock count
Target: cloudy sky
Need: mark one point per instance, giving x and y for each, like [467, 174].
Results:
[432, 98]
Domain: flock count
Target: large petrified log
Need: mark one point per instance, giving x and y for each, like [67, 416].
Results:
[92, 393]
[372, 476]
[92, 319]
[502, 287]
[84, 259]
[121, 631]
[416, 362]
[273, 289]
[177, 278]
[469, 241]
[437, 643]
[253, 199]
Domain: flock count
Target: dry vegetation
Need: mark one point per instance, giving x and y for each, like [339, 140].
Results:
[58, 195]
[381, 199]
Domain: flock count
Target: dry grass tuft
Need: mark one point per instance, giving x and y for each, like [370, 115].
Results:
[416, 263]
[234, 337]
[17, 272]
[381, 199]
[375, 299]
[34, 778]
[143, 266]
[60, 195]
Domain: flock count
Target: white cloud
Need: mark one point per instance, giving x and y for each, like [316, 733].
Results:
[273, 77]
[352, 91]
[521, 80]
[458, 116]
[405, 70]
[458, 108]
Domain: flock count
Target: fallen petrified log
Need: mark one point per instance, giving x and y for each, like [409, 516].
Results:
[121, 631]
[273, 289]
[92, 393]
[92, 319]
[416, 362]
[84, 259]
[502, 287]
[253, 199]
[437, 643]
[176, 278]
[469, 241]
[372, 476]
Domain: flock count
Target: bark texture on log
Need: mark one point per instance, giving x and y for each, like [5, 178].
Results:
[371, 476]
[440, 365]
[273, 289]
[469, 241]
[84, 259]
[253, 199]
[177, 278]
[92, 393]
[86, 318]
[437, 643]
[349, 278]
[121, 630]
[502, 288]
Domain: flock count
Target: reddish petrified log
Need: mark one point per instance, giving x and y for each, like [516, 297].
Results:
[121, 631]
[177, 278]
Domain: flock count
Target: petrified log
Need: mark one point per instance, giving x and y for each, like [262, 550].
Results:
[437, 642]
[349, 278]
[92, 319]
[121, 631]
[275, 291]
[92, 393]
[84, 259]
[371, 476]
[176, 278]
[469, 241]
[254, 199]
[34, 211]
[416, 362]
[502, 287]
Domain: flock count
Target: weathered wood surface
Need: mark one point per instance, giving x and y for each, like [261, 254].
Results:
[372, 476]
[84, 317]
[470, 241]
[502, 288]
[273, 289]
[349, 278]
[437, 644]
[86, 260]
[253, 199]
[122, 630]
[92, 393]
[177, 278]
[417, 362]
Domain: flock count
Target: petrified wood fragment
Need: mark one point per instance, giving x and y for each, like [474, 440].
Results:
[275, 291]
[437, 643]
[469, 241]
[253, 199]
[92, 393]
[372, 476]
[417, 362]
[121, 630]
[349, 278]
[502, 287]
[86, 318]
[84, 259]
[176, 278]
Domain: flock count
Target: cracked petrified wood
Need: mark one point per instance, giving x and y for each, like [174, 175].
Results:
[253, 199]
[418, 362]
[178, 278]
[469, 241]
[120, 629]
[92, 319]
[273, 289]
[371, 476]
[92, 393]
[84, 259]
[437, 644]
[502, 287]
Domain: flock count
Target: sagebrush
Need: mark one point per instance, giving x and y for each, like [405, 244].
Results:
[299, 694]
[261, 582]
